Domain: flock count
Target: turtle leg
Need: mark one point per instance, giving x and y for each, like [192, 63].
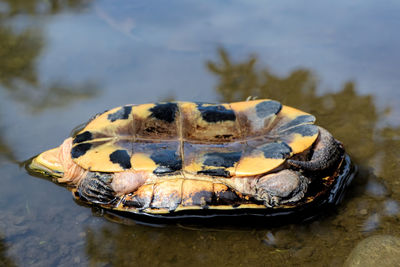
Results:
[326, 153]
[280, 188]
[96, 188]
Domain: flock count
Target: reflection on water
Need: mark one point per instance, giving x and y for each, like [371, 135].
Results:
[19, 52]
[19, 76]
[4, 260]
[5, 150]
[39, 7]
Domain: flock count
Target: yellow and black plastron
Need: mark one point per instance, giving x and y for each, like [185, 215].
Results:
[194, 139]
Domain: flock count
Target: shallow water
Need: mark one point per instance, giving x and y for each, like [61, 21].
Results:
[63, 61]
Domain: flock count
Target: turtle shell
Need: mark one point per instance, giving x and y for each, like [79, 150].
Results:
[194, 139]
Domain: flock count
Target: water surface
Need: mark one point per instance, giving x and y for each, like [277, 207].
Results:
[63, 61]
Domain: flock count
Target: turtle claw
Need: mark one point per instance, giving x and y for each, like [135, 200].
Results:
[95, 188]
[275, 201]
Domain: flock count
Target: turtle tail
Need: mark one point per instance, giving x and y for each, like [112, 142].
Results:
[327, 153]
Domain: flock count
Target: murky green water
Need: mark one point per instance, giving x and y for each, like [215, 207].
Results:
[63, 61]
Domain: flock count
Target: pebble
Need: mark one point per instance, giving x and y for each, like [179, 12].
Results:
[269, 240]
[77, 259]
[305, 252]
[372, 222]
[376, 189]
[364, 212]
[391, 207]
[377, 250]
[82, 234]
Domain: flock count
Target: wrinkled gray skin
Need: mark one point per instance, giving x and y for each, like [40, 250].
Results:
[326, 153]
[288, 184]
[280, 188]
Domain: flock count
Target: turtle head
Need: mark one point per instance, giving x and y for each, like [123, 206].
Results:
[48, 163]
[58, 163]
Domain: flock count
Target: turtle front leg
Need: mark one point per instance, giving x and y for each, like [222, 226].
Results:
[280, 188]
[106, 188]
[96, 188]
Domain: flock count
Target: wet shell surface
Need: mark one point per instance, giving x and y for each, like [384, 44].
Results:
[238, 139]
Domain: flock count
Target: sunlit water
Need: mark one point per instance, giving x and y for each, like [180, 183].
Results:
[62, 63]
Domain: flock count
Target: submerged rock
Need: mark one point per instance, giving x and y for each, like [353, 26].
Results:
[377, 250]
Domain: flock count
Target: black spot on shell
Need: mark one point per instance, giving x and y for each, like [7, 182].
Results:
[216, 113]
[167, 161]
[122, 158]
[304, 130]
[85, 136]
[218, 159]
[80, 150]
[276, 150]
[297, 121]
[160, 170]
[267, 108]
[215, 172]
[140, 202]
[135, 203]
[121, 114]
[165, 112]
[150, 130]
[226, 197]
[202, 198]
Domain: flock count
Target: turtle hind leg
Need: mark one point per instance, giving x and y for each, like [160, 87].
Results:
[96, 188]
[327, 153]
[281, 187]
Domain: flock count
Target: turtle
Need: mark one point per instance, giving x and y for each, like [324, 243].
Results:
[175, 158]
